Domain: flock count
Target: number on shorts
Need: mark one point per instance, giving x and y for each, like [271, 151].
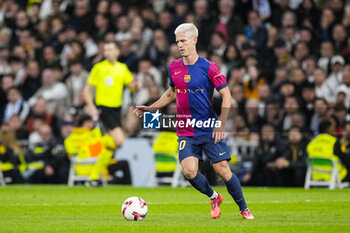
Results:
[182, 144]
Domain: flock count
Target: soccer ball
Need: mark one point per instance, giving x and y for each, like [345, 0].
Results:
[134, 209]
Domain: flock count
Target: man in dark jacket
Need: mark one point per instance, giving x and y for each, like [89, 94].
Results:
[265, 171]
[294, 163]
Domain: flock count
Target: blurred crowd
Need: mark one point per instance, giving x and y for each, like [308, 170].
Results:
[286, 63]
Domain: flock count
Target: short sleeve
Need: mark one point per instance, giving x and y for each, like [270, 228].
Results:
[216, 77]
[127, 76]
[171, 82]
[93, 78]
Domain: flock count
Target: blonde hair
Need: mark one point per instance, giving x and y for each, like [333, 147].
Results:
[8, 138]
[189, 28]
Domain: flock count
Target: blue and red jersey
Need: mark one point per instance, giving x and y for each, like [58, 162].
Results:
[194, 88]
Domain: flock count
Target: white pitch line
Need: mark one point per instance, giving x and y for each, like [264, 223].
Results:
[169, 203]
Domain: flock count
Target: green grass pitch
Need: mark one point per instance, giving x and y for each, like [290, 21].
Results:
[79, 209]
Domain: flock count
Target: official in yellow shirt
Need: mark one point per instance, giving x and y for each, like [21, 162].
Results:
[107, 79]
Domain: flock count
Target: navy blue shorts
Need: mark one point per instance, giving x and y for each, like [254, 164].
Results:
[194, 146]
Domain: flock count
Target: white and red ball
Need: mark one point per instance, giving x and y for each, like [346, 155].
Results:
[134, 209]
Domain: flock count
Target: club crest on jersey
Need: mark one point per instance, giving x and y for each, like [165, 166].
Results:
[187, 78]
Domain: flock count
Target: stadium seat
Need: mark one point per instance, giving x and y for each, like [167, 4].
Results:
[167, 168]
[73, 176]
[324, 166]
[2, 178]
[167, 171]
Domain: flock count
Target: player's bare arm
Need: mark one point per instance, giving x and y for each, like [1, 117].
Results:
[219, 133]
[88, 96]
[167, 98]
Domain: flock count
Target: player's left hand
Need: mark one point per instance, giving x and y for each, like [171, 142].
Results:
[218, 134]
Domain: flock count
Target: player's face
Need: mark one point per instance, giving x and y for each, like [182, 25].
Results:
[186, 44]
[110, 51]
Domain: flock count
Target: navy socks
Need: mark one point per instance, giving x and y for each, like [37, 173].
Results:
[235, 189]
[202, 185]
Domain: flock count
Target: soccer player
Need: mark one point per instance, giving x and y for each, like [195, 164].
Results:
[192, 82]
[109, 77]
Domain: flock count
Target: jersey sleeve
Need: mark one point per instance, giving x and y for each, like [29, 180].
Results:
[93, 77]
[171, 82]
[127, 76]
[216, 78]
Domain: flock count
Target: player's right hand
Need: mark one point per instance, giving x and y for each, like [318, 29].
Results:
[93, 112]
[140, 109]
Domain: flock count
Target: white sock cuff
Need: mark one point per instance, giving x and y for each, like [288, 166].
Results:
[215, 195]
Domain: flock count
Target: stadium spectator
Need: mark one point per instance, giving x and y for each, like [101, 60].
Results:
[295, 165]
[146, 68]
[264, 171]
[53, 91]
[272, 113]
[299, 120]
[308, 11]
[278, 10]
[291, 106]
[308, 96]
[102, 26]
[322, 89]
[157, 51]
[17, 126]
[254, 121]
[32, 81]
[49, 57]
[343, 91]
[322, 146]
[86, 141]
[75, 83]
[127, 56]
[11, 156]
[326, 21]
[322, 113]
[227, 23]
[40, 110]
[238, 98]
[16, 105]
[340, 112]
[41, 161]
[252, 81]
[232, 58]
[342, 148]
[256, 30]
[81, 19]
[239, 131]
[6, 84]
[140, 38]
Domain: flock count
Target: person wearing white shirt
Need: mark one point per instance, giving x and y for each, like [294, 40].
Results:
[55, 93]
[345, 89]
[335, 79]
[321, 87]
[16, 105]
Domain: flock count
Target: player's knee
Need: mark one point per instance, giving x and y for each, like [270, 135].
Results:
[223, 170]
[226, 175]
[190, 173]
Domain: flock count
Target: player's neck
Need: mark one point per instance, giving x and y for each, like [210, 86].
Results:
[191, 59]
[112, 61]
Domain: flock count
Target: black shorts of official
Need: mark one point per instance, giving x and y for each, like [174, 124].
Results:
[110, 117]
